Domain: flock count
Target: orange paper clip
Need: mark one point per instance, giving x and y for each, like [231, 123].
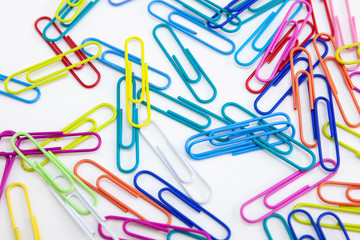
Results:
[110, 176]
[353, 202]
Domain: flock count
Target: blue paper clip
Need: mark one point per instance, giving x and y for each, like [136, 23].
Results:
[191, 33]
[282, 74]
[118, 52]
[307, 236]
[134, 131]
[180, 70]
[37, 97]
[239, 135]
[64, 12]
[254, 38]
[117, 4]
[237, 10]
[284, 138]
[218, 10]
[185, 199]
[282, 219]
[340, 223]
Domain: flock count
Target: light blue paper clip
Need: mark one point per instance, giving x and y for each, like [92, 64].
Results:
[117, 4]
[118, 52]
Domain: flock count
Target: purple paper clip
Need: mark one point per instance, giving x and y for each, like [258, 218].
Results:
[297, 30]
[157, 226]
[280, 185]
[354, 74]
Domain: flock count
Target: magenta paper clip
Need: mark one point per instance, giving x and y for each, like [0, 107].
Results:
[8, 165]
[354, 74]
[157, 226]
[291, 43]
[279, 186]
[59, 150]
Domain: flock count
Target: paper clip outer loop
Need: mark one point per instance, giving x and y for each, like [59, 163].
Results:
[32, 217]
[65, 60]
[270, 191]
[134, 131]
[130, 91]
[172, 232]
[117, 4]
[314, 225]
[281, 218]
[180, 70]
[63, 192]
[156, 226]
[24, 100]
[52, 76]
[75, 124]
[65, 10]
[191, 33]
[113, 178]
[350, 186]
[191, 203]
[347, 47]
[339, 222]
[67, 3]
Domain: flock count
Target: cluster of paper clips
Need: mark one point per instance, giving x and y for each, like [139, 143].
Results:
[272, 131]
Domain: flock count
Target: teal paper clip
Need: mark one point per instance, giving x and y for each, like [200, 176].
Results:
[63, 13]
[134, 131]
[118, 52]
[180, 70]
[191, 33]
[192, 235]
[282, 219]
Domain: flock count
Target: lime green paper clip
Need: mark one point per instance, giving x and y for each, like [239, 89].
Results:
[32, 218]
[179, 68]
[76, 124]
[65, 193]
[348, 47]
[348, 226]
[78, 4]
[52, 76]
[357, 134]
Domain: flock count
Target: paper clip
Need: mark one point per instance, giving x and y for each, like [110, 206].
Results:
[117, 181]
[275, 52]
[282, 74]
[68, 3]
[65, 60]
[270, 147]
[189, 32]
[218, 11]
[185, 199]
[194, 236]
[238, 135]
[67, 174]
[74, 125]
[345, 75]
[32, 217]
[348, 62]
[37, 90]
[178, 67]
[314, 225]
[351, 76]
[254, 38]
[52, 76]
[340, 225]
[180, 70]
[353, 202]
[277, 36]
[328, 15]
[118, 52]
[156, 226]
[286, 226]
[180, 179]
[280, 185]
[119, 131]
[77, 217]
[347, 129]
[63, 12]
[130, 91]
[117, 4]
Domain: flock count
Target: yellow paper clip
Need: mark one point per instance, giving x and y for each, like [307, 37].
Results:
[79, 4]
[74, 125]
[32, 217]
[54, 75]
[144, 84]
[348, 47]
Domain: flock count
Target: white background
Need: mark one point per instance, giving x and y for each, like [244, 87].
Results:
[234, 179]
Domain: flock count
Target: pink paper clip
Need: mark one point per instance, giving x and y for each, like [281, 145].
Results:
[277, 37]
[339, 37]
[156, 226]
[80, 54]
[280, 185]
